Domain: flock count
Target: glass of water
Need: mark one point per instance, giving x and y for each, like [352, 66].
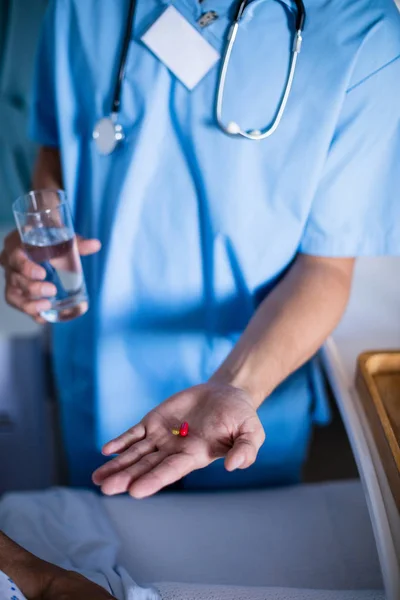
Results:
[45, 225]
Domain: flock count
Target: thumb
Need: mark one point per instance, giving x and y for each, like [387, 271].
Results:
[245, 449]
[86, 246]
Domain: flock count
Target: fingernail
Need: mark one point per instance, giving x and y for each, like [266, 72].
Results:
[48, 289]
[43, 305]
[38, 273]
[105, 448]
[95, 478]
[236, 463]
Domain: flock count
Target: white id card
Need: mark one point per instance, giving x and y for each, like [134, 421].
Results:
[181, 47]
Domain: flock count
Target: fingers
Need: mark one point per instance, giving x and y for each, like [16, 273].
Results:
[33, 308]
[124, 441]
[18, 261]
[120, 482]
[151, 473]
[245, 449]
[166, 472]
[87, 247]
[27, 295]
[25, 288]
[30, 288]
[124, 460]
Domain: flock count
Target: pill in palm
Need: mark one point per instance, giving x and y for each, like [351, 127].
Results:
[184, 430]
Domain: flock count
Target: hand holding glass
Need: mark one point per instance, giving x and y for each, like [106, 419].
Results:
[45, 226]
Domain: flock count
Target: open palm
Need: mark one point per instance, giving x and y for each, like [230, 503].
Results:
[222, 422]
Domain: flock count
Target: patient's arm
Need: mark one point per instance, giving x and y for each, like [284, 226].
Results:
[25, 569]
[40, 580]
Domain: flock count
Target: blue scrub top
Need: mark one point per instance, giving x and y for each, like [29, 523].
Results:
[198, 226]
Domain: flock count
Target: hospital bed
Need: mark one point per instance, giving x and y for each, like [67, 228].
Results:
[307, 542]
[309, 537]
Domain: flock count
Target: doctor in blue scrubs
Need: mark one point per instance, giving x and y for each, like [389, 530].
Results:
[227, 255]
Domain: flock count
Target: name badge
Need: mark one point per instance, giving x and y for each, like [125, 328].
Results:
[181, 48]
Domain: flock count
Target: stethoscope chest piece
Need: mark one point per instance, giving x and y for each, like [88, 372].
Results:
[107, 134]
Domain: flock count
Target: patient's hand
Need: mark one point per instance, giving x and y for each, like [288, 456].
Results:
[222, 422]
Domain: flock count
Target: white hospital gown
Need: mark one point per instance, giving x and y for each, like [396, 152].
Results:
[8, 589]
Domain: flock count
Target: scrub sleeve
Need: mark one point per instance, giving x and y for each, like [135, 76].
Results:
[356, 210]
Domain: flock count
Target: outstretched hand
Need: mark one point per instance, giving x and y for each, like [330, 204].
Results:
[222, 423]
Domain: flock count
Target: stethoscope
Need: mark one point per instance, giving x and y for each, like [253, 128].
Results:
[108, 133]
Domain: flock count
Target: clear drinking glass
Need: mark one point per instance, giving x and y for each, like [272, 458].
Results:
[45, 225]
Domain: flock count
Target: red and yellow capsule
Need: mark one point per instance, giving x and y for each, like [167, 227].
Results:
[184, 429]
